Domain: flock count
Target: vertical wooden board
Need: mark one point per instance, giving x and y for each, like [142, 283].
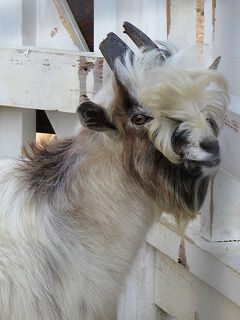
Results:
[105, 20]
[230, 142]
[186, 297]
[10, 23]
[137, 299]
[227, 41]
[147, 15]
[209, 21]
[204, 265]
[29, 22]
[182, 29]
[17, 127]
[52, 29]
[221, 210]
[64, 124]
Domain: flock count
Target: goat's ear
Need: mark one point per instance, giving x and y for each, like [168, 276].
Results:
[94, 117]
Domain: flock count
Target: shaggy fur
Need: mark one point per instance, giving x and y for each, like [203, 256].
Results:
[74, 213]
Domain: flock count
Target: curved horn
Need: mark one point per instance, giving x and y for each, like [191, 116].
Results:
[215, 64]
[112, 48]
[142, 40]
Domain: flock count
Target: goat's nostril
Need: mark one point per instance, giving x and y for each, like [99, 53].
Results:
[210, 146]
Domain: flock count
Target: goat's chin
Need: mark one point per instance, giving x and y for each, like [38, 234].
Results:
[202, 168]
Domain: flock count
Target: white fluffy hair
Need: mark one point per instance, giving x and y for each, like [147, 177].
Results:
[180, 89]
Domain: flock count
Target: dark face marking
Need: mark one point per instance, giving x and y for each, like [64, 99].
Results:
[179, 140]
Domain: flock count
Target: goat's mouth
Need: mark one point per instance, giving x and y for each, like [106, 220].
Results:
[195, 167]
[205, 163]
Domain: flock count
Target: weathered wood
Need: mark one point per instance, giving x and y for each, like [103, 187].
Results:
[56, 27]
[217, 264]
[186, 297]
[105, 20]
[17, 127]
[47, 80]
[137, 300]
[64, 124]
[182, 22]
[83, 12]
[227, 41]
[10, 23]
[70, 24]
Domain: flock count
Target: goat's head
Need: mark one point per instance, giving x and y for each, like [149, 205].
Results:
[167, 116]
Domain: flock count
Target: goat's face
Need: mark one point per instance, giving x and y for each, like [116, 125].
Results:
[168, 118]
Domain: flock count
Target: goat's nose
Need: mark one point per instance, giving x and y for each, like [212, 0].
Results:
[211, 146]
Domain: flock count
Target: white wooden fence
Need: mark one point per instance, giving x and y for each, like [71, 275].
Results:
[45, 64]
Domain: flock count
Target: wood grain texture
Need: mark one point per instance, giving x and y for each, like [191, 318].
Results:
[186, 297]
[83, 13]
[217, 264]
[46, 80]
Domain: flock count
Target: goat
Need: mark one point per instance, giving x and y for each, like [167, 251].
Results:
[74, 212]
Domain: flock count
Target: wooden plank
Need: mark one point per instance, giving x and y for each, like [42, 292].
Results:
[64, 124]
[209, 21]
[186, 297]
[70, 24]
[221, 216]
[29, 22]
[47, 80]
[105, 20]
[17, 127]
[198, 255]
[149, 16]
[56, 27]
[137, 299]
[10, 23]
[220, 212]
[83, 12]
[227, 41]
[182, 29]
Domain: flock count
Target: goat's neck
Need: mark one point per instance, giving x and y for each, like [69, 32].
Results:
[94, 202]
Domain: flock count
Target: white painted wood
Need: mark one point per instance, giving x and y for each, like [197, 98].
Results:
[215, 269]
[41, 23]
[64, 124]
[221, 210]
[227, 41]
[182, 22]
[47, 80]
[105, 20]
[29, 22]
[56, 27]
[147, 15]
[10, 23]
[209, 22]
[70, 24]
[17, 127]
[186, 297]
[137, 300]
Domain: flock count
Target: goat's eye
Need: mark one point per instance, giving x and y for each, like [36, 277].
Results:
[139, 119]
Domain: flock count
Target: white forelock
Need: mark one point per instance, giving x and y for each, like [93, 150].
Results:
[182, 88]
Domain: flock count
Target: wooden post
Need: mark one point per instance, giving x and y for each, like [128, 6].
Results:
[17, 127]
[221, 213]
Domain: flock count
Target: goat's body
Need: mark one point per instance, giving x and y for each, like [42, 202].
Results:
[65, 248]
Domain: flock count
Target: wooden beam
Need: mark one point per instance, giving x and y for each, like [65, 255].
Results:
[217, 264]
[186, 297]
[48, 80]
